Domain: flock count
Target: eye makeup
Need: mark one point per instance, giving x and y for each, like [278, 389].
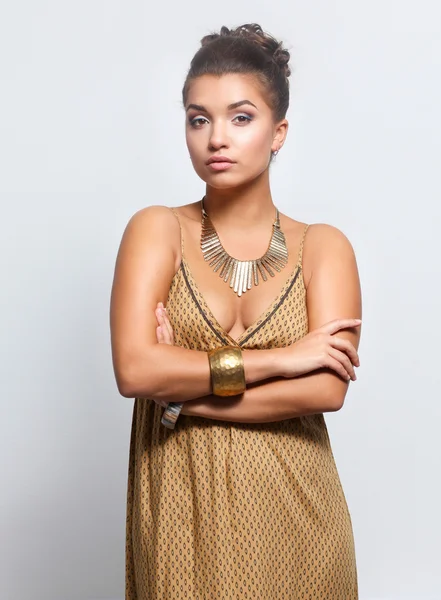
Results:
[194, 121]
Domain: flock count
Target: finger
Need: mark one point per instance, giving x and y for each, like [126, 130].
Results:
[345, 346]
[162, 312]
[159, 316]
[167, 339]
[343, 358]
[159, 335]
[169, 327]
[336, 365]
[337, 324]
[167, 331]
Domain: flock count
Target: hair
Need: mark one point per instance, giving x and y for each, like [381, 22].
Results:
[247, 49]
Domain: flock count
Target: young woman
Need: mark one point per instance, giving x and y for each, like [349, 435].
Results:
[235, 328]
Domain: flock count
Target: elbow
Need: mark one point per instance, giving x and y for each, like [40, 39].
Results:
[125, 384]
[125, 389]
[335, 404]
[133, 382]
[336, 394]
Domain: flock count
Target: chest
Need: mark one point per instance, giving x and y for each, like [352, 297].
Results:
[208, 312]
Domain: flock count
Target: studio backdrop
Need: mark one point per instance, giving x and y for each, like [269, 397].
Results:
[92, 130]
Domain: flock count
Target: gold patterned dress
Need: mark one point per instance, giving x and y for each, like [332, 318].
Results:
[235, 511]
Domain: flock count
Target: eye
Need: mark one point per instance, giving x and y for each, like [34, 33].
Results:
[246, 117]
[194, 121]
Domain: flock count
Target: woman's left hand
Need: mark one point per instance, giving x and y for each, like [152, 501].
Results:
[164, 335]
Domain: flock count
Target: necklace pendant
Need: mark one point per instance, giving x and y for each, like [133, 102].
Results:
[242, 274]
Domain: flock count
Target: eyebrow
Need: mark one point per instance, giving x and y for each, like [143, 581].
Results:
[229, 107]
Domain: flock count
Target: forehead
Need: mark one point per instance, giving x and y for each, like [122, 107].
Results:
[217, 92]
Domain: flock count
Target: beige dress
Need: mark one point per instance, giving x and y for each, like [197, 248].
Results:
[225, 510]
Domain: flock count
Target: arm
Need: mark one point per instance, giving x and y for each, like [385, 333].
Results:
[333, 291]
[146, 263]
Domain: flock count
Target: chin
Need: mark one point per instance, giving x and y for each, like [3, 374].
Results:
[224, 179]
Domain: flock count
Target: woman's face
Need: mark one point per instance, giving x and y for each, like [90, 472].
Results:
[245, 134]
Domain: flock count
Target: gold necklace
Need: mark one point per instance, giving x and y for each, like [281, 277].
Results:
[242, 273]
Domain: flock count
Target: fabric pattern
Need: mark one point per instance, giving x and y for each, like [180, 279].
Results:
[225, 510]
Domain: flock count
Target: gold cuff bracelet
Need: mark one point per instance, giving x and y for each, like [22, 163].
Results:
[227, 371]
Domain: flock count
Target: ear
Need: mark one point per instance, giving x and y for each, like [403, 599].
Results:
[280, 133]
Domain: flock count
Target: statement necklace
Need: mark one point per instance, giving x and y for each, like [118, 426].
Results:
[242, 273]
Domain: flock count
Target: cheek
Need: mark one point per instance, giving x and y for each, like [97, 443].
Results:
[255, 140]
[255, 148]
[193, 141]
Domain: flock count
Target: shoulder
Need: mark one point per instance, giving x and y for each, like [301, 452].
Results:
[157, 218]
[324, 245]
[154, 222]
[316, 235]
[153, 214]
[322, 237]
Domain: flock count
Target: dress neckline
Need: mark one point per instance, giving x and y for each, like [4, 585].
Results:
[248, 332]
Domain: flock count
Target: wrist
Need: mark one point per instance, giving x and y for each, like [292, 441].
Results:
[195, 407]
[262, 364]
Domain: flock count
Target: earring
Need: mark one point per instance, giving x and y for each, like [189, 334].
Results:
[275, 152]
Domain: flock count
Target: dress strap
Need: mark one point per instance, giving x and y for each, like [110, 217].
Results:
[180, 227]
[300, 258]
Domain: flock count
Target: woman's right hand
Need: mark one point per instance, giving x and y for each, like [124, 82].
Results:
[321, 348]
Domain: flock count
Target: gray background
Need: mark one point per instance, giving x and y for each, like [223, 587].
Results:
[92, 131]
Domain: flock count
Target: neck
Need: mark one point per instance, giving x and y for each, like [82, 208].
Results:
[240, 208]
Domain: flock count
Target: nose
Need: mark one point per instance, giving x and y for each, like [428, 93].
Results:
[218, 135]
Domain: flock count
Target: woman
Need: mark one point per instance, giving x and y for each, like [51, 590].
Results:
[236, 493]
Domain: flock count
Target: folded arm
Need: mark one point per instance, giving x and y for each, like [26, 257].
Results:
[332, 292]
[275, 399]
[145, 265]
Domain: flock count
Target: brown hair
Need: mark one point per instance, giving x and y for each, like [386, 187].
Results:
[246, 49]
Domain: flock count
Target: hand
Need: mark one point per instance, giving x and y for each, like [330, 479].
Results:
[321, 348]
[164, 335]
[164, 331]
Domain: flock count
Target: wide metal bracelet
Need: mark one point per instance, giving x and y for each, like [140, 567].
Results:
[227, 371]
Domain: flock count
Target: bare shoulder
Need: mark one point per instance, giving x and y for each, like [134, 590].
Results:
[155, 214]
[323, 233]
[154, 222]
[325, 244]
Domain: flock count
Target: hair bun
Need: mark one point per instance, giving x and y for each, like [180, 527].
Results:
[281, 57]
[255, 34]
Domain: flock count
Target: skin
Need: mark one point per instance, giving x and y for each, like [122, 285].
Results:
[308, 377]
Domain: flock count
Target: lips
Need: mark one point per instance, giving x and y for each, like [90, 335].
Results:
[222, 159]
